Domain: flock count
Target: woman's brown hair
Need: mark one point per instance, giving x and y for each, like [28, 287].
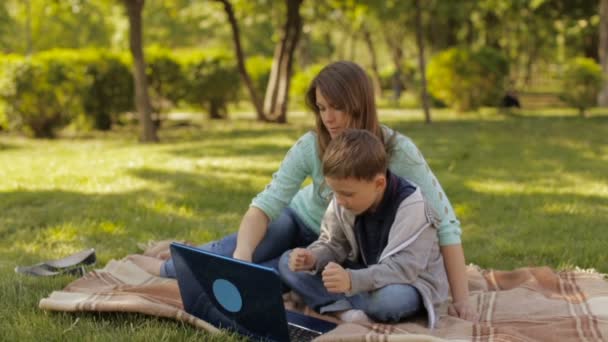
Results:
[346, 87]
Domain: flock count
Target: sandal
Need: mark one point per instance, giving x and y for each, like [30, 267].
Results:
[72, 264]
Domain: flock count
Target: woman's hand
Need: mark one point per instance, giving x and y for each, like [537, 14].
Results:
[336, 279]
[463, 310]
[301, 259]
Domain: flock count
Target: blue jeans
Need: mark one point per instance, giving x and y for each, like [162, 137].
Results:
[389, 304]
[288, 231]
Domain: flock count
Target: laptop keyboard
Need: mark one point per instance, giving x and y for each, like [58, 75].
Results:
[297, 334]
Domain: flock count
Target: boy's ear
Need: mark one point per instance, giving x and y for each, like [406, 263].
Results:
[380, 181]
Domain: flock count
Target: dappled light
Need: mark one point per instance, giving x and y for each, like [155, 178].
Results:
[126, 122]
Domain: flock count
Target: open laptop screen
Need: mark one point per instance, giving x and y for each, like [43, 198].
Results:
[230, 293]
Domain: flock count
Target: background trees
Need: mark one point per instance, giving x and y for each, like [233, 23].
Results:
[269, 42]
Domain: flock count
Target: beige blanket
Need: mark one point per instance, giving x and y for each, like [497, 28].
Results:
[528, 304]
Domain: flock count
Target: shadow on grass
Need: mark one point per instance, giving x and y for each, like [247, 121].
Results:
[38, 225]
[7, 147]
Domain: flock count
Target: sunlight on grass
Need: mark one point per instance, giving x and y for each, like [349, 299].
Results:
[569, 185]
[161, 206]
[529, 190]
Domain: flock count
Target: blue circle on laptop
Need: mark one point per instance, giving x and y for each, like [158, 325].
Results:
[227, 295]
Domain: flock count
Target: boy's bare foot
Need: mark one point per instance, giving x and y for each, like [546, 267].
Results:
[147, 263]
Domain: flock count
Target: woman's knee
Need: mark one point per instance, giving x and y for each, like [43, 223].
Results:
[382, 304]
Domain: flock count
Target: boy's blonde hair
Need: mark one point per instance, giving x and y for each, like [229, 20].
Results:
[356, 153]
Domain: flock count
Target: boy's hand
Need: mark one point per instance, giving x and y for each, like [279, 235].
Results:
[301, 259]
[336, 279]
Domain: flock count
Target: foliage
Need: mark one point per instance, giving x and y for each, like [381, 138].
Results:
[90, 87]
[111, 89]
[301, 81]
[57, 24]
[466, 79]
[581, 83]
[211, 80]
[259, 71]
[43, 93]
[165, 78]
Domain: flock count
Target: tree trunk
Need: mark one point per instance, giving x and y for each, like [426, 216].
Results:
[142, 99]
[367, 37]
[28, 28]
[394, 44]
[603, 51]
[421, 63]
[277, 92]
[216, 110]
[240, 56]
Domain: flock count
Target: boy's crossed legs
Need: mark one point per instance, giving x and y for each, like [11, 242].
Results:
[380, 305]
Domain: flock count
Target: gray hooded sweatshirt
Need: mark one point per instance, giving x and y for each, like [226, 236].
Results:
[411, 255]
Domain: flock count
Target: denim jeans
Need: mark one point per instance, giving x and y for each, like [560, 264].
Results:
[389, 304]
[288, 231]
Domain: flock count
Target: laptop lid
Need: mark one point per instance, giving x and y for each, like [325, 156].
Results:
[230, 293]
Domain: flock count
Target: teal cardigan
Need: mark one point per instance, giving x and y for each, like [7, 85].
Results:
[310, 202]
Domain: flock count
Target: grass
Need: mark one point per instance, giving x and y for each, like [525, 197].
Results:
[529, 190]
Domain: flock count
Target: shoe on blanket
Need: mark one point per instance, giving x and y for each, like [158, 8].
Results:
[71, 264]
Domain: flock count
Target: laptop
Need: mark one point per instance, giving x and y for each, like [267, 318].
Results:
[239, 296]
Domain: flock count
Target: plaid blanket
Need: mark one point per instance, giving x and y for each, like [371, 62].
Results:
[528, 304]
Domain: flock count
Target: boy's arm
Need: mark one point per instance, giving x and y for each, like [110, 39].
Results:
[400, 268]
[332, 244]
[405, 265]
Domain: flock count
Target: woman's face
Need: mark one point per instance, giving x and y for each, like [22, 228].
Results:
[334, 119]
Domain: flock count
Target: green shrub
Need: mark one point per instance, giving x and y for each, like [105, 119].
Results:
[258, 68]
[3, 118]
[581, 83]
[409, 76]
[466, 79]
[301, 81]
[165, 79]
[211, 80]
[111, 91]
[42, 93]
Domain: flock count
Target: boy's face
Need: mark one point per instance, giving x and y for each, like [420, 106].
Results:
[358, 195]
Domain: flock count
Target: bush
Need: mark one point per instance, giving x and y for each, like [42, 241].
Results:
[111, 91]
[466, 79]
[301, 81]
[581, 83]
[259, 71]
[211, 80]
[165, 79]
[3, 118]
[42, 93]
[410, 77]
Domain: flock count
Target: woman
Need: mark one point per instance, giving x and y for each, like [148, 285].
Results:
[284, 215]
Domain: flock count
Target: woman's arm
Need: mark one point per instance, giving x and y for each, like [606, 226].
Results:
[251, 231]
[453, 258]
[269, 203]
[407, 161]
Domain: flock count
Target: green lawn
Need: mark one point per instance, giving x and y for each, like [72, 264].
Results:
[529, 190]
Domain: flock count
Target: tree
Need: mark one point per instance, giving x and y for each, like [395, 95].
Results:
[277, 92]
[421, 63]
[142, 99]
[603, 51]
[240, 55]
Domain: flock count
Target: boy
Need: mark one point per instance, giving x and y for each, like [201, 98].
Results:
[378, 254]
